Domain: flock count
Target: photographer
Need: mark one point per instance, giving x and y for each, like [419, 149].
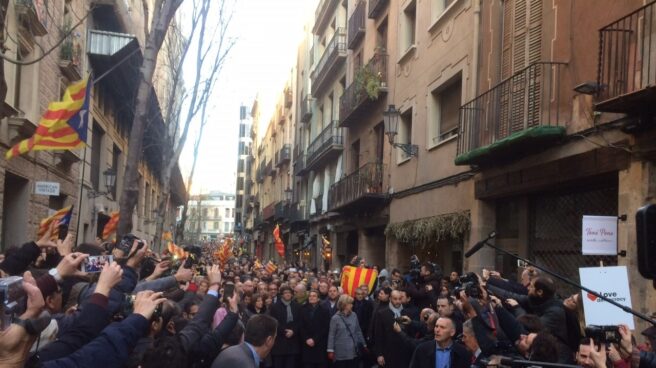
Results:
[424, 289]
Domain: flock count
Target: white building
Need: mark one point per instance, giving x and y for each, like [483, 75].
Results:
[211, 216]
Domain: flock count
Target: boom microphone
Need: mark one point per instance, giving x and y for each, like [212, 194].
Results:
[479, 245]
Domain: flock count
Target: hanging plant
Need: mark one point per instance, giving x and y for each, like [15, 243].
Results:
[431, 229]
[368, 82]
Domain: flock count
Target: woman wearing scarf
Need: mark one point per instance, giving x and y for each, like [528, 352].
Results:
[315, 321]
[286, 311]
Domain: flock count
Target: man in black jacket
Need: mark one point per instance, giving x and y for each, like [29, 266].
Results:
[287, 312]
[389, 349]
[442, 352]
[315, 323]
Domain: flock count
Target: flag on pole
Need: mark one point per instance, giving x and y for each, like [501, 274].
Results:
[353, 277]
[167, 236]
[62, 216]
[280, 246]
[327, 251]
[110, 226]
[223, 253]
[63, 126]
[257, 264]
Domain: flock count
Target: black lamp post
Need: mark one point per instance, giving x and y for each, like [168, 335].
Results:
[110, 183]
[391, 121]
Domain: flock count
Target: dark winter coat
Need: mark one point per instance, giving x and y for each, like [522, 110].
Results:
[283, 344]
[424, 356]
[315, 322]
[388, 343]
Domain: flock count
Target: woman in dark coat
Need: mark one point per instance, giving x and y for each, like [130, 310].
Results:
[315, 322]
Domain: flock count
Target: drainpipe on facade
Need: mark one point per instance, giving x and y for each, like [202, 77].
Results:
[475, 54]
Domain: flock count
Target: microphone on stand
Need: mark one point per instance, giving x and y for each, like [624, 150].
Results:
[479, 245]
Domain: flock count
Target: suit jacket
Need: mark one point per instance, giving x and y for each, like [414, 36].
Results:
[331, 310]
[314, 325]
[388, 343]
[235, 356]
[424, 356]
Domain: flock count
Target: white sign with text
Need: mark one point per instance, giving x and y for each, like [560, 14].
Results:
[613, 283]
[599, 235]
[49, 188]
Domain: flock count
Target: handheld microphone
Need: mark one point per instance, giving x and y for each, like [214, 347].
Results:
[479, 245]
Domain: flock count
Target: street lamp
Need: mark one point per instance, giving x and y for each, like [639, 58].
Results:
[110, 184]
[288, 195]
[391, 121]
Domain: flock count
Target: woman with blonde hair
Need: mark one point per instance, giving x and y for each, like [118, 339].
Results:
[345, 340]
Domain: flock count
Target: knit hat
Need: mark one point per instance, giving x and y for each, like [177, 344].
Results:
[47, 285]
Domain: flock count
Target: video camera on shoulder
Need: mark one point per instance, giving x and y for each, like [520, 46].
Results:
[603, 334]
[126, 242]
[468, 284]
[13, 299]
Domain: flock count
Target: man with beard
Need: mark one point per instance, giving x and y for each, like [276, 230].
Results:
[323, 290]
[331, 302]
[541, 301]
[389, 349]
[425, 290]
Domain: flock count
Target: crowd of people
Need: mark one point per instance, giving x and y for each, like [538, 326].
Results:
[146, 309]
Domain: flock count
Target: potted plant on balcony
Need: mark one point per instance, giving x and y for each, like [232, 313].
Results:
[369, 82]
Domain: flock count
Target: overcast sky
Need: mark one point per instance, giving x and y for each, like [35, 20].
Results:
[268, 33]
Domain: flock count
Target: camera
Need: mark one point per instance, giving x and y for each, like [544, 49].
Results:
[13, 299]
[603, 334]
[468, 284]
[126, 242]
[415, 268]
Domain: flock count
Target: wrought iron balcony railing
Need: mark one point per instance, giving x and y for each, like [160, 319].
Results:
[299, 165]
[365, 181]
[333, 55]
[284, 155]
[527, 99]
[281, 210]
[270, 169]
[626, 73]
[356, 25]
[306, 109]
[369, 83]
[327, 144]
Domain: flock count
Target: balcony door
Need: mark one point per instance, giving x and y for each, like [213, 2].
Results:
[380, 141]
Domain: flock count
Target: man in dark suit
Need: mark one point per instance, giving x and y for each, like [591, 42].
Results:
[259, 339]
[331, 302]
[443, 352]
[471, 343]
[287, 347]
[389, 348]
[315, 323]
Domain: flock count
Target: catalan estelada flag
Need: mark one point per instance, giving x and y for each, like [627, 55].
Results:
[63, 126]
[280, 246]
[63, 217]
[353, 277]
[110, 226]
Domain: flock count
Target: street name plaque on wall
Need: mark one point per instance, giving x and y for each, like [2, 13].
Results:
[49, 188]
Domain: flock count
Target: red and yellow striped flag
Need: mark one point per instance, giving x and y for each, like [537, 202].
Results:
[271, 267]
[63, 126]
[280, 246]
[110, 226]
[257, 264]
[353, 277]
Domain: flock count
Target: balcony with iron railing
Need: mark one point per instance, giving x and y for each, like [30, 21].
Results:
[356, 25]
[297, 213]
[269, 212]
[369, 84]
[318, 205]
[518, 115]
[333, 57]
[260, 174]
[299, 165]
[270, 169]
[322, 15]
[281, 211]
[284, 155]
[376, 8]
[326, 146]
[361, 189]
[306, 108]
[626, 72]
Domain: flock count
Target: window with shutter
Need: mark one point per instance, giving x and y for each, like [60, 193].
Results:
[522, 46]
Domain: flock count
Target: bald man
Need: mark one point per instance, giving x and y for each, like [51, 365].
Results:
[389, 348]
[443, 352]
